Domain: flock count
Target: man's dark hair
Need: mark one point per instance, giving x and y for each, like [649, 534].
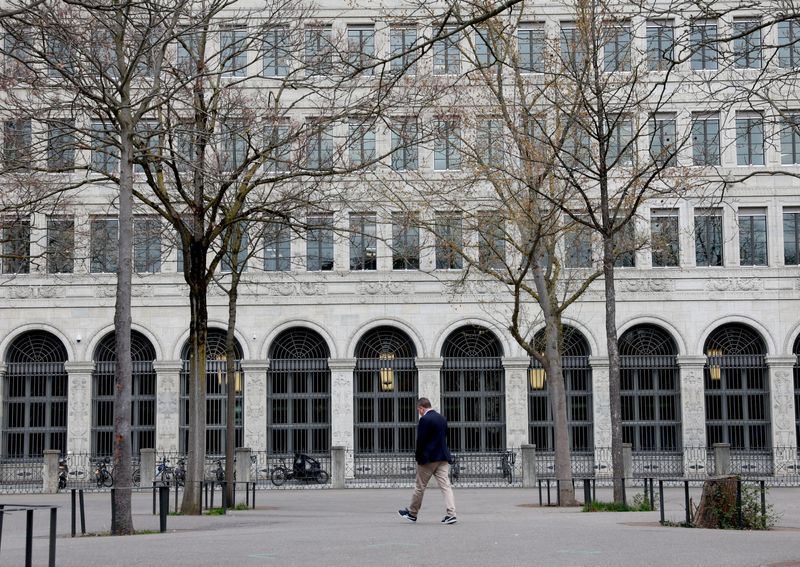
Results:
[423, 403]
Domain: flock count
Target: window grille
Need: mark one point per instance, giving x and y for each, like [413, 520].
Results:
[143, 395]
[578, 384]
[385, 393]
[473, 390]
[216, 394]
[650, 389]
[737, 389]
[35, 396]
[797, 388]
[299, 394]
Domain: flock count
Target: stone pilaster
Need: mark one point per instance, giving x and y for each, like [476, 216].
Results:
[168, 380]
[429, 380]
[516, 372]
[342, 417]
[255, 404]
[693, 414]
[601, 411]
[784, 437]
[2, 389]
[79, 416]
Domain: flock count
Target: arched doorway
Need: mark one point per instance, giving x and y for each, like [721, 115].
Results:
[216, 394]
[385, 393]
[143, 395]
[473, 390]
[299, 394]
[35, 396]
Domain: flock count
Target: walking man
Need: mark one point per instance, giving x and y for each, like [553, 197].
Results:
[433, 459]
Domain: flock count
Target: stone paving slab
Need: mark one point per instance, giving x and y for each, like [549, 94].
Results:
[361, 527]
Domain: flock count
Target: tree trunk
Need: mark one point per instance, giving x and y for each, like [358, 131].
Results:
[717, 508]
[122, 519]
[231, 372]
[615, 402]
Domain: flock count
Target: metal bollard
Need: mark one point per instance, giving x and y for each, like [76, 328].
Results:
[154, 498]
[558, 493]
[223, 486]
[624, 494]
[72, 513]
[540, 491]
[254, 496]
[739, 521]
[2, 511]
[687, 503]
[163, 507]
[661, 499]
[52, 557]
[763, 503]
[587, 492]
[29, 538]
[83, 512]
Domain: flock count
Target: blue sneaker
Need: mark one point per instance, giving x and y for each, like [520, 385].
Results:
[404, 513]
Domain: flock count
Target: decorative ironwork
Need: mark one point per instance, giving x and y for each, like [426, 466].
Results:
[583, 465]
[737, 401]
[35, 396]
[650, 390]
[578, 385]
[21, 476]
[216, 394]
[299, 394]
[473, 390]
[143, 394]
[797, 392]
[385, 392]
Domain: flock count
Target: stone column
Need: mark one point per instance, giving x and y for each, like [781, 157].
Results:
[516, 372]
[338, 466]
[601, 411]
[79, 394]
[50, 471]
[168, 390]
[693, 414]
[784, 437]
[528, 466]
[2, 388]
[147, 467]
[342, 413]
[429, 380]
[242, 485]
[255, 404]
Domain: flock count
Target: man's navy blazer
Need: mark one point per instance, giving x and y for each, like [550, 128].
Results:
[432, 439]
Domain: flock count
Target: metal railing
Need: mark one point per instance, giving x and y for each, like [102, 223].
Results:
[21, 476]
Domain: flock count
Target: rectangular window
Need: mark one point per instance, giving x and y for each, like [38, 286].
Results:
[16, 235]
[361, 48]
[148, 145]
[790, 140]
[617, 49]
[578, 246]
[104, 246]
[576, 151]
[279, 146]
[490, 142]
[319, 146]
[405, 152]
[573, 52]
[703, 40]
[619, 143]
[530, 42]
[60, 57]
[319, 243]
[664, 242]
[491, 242]
[484, 57]
[747, 44]
[663, 147]
[708, 243]
[277, 247]
[17, 143]
[61, 146]
[184, 145]
[405, 241]
[402, 39]
[227, 263]
[17, 42]
[233, 52]
[753, 237]
[789, 44]
[319, 51]
[449, 241]
[791, 237]
[234, 145]
[276, 51]
[625, 246]
[363, 251]
[361, 146]
[660, 45]
[146, 245]
[188, 50]
[446, 56]
[60, 245]
[105, 154]
[447, 145]
[705, 139]
[749, 140]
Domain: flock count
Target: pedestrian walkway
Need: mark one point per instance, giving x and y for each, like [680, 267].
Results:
[334, 528]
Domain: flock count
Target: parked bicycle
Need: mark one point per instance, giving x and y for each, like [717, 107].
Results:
[164, 472]
[102, 475]
[63, 473]
[304, 468]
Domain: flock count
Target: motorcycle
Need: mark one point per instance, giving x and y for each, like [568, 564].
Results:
[304, 468]
[63, 473]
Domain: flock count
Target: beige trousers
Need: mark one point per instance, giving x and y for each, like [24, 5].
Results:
[440, 470]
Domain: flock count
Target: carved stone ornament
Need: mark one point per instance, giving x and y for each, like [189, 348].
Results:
[142, 291]
[647, 285]
[734, 284]
[384, 288]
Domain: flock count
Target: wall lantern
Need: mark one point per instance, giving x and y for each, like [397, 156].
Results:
[713, 362]
[386, 371]
[536, 377]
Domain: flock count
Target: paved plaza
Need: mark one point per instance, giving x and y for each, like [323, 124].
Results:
[361, 527]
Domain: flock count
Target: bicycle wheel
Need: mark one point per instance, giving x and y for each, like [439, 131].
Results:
[136, 477]
[108, 480]
[278, 476]
[323, 477]
[166, 478]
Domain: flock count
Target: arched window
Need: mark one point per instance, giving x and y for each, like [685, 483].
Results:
[35, 396]
[473, 390]
[299, 394]
[650, 389]
[143, 395]
[578, 384]
[797, 389]
[737, 389]
[385, 392]
[216, 394]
